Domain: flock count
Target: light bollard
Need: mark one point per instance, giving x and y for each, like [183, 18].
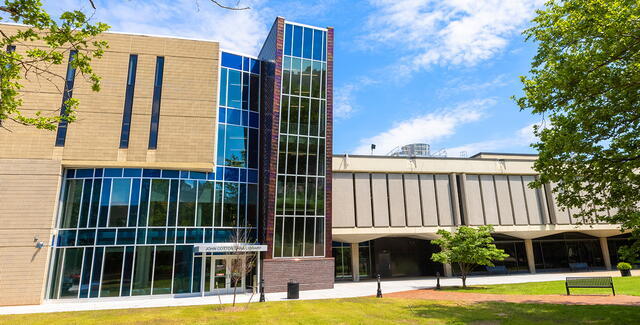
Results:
[379, 293]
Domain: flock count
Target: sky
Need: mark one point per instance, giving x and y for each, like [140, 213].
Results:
[406, 71]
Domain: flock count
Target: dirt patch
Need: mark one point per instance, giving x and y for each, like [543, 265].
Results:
[471, 297]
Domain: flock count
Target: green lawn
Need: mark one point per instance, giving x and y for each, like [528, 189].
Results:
[348, 311]
[624, 286]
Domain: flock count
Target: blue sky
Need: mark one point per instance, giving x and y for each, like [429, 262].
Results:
[440, 72]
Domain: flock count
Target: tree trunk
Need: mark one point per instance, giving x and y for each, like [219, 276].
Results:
[464, 281]
[235, 286]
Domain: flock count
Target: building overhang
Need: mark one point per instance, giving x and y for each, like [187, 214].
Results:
[360, 234]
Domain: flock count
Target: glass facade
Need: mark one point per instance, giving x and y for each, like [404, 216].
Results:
[300, 189]
[128, 231]
[342, 255]
[555, 252]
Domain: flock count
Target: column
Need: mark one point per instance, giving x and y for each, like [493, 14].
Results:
[448, 272]
[355, 262]
[604, 246]
[528, 246]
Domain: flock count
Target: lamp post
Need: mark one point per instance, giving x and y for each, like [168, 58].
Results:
[379, 293]
[262, 290]
[437, 280]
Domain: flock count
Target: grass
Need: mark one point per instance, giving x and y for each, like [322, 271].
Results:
[624, 286]
[347, 311]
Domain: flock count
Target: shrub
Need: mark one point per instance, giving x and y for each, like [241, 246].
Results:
[624, 266]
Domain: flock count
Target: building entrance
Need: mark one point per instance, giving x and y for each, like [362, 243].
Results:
[404, 257]
[223, 273]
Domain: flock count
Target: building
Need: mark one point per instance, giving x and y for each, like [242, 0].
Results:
[387, 208]
[189, 149]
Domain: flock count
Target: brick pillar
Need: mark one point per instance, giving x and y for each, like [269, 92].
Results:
[604, 246]
[528, 246]
[355, 262]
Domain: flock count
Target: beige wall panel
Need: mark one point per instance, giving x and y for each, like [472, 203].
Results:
[517, 199]
[504, 200]
[412, 197]
[95, 137]
[190, 78]
[343, 200]
[185, 139]
[145, 77]
[445, 209]
[491, 213]
[396, 201]
[534, 205]
[429, 203]
[148, 45]
[474, 213]
[380, 200]
[562, 215]
[363, 200]
[28, 198]
[113, 68]
[139, 136]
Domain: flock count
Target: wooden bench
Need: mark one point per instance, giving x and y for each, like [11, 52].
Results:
[579, 266]
[589, 282]
[498, 269]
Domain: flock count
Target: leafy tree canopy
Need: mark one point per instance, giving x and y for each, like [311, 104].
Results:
[467, 247]
[55, 40]
[585, 82]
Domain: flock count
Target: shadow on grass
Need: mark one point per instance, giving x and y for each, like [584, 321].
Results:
[524, 313]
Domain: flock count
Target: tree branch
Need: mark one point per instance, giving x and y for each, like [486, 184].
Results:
[217, 3]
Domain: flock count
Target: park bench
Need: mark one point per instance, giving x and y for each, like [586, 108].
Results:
[498, 269]
[589, 282]
[579, 267]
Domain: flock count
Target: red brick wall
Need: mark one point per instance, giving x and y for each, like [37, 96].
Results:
[311, 273]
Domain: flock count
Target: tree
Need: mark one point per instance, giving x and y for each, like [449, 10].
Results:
[467, 247]
[584, 81]
[73, 32]
[243, 262]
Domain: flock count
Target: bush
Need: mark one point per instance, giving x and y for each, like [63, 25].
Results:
[624, 266]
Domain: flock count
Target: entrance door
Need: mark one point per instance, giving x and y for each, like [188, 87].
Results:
[223, 272]
[384, 265]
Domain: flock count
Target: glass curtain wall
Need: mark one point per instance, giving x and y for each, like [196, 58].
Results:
[342, 254]
[300, 189]
[125, 232]
[556, 252]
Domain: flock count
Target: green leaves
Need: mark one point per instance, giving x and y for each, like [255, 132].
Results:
[72, 31]
[467, 247]
[585, 81]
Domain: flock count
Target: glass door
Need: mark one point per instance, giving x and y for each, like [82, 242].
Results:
[223, 273]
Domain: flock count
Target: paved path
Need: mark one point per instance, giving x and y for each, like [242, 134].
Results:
[469, 297]
[341, 290]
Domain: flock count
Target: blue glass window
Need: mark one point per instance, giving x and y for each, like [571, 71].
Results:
[288, 36]
[126, 236]
[156, 236]
[222, 115]
[223, 87]
[132, 172]
[254, 66]
[86, 237]
[67, 238]
[84, 173]
[297, 41]
[254, 120]
[231, 61]
[104, 202]
[234, 94]
[99, 172]
[113, 172]
[151, 173]
[170, 174]
[235, 146]
[128, 101]
[252, 176]
[245, 64]
[106, 237]
[61, 135]
[231, 174]
[308, 42]
[233, 116]
[155, 105]
[317, 44]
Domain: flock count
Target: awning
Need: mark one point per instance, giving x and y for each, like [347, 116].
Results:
[229, 248]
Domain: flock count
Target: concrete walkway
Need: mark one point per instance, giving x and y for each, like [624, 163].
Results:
[341, 290]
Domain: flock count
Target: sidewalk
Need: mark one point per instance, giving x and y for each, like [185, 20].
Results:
[340, 290]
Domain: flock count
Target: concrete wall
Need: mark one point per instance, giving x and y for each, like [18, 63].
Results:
[28, 205]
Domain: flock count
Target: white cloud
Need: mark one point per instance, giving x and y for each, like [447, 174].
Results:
[521, 138]
[458, 32]
[242, 31]
[426, 128]
[344, 105]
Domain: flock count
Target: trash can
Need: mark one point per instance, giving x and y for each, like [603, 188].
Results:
[293, 290]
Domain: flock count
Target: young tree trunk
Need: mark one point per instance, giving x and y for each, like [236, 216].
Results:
[235, 286]
[464, 281]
